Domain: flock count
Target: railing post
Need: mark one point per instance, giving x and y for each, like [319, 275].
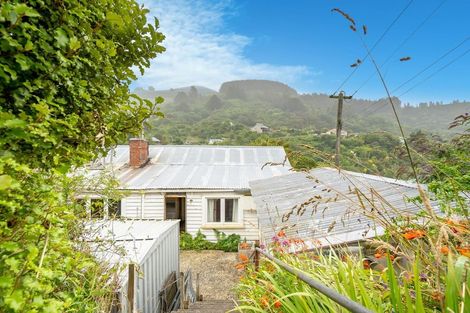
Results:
[198, 292]
[130, 287]
[256, 257]
[182, 293]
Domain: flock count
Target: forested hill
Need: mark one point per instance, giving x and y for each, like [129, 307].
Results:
[194, 114]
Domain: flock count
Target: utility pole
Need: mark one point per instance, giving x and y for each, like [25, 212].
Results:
[339, 123]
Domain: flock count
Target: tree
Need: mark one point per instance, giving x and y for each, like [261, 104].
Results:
[65, 71]
[214, 103]
[193, 93]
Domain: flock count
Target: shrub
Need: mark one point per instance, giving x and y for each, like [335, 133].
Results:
[65, 71]
[199, 242]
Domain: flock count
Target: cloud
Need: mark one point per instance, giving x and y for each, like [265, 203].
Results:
[199, 52]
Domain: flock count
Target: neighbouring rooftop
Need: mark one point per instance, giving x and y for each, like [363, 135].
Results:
[328, 207]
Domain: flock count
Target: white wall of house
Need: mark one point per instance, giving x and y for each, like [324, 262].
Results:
[153, 204]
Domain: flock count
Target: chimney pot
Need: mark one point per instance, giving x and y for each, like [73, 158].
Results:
[138, 152]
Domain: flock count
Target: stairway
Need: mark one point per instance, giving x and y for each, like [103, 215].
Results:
[209, 306]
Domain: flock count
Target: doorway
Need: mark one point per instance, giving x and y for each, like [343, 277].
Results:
[175, 209]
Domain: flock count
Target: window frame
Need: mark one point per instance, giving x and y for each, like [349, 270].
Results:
[105, 215]
[207, 224]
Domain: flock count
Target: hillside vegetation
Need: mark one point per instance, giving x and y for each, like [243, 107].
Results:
[189, 111]
[194, 115]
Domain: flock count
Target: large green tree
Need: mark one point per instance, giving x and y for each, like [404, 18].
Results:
[65, 71]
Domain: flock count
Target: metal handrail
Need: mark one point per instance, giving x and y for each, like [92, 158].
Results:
[327, 291]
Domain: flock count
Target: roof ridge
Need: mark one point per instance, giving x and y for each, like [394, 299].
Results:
[390, 180]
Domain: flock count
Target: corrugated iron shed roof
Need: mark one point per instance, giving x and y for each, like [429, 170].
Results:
[122, 242]
[329, 207]
[197, 167]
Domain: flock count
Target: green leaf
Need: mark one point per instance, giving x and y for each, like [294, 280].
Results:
[23, 61]
[419, 305]
[74, 44]
[5, 182]
[115, 19]
[5, 281]
[13, 123]
[23, 9]
[61, 37]
[15, 300]
[28, 46]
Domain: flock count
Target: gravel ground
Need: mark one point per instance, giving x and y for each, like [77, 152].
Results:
[217, 272]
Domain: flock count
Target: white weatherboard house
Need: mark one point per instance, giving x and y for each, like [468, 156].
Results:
[206, 187]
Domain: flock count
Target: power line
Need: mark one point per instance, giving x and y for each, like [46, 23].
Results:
[402, 44]
[439, 70]
[432, 64]
[375, 45]
[422, 71]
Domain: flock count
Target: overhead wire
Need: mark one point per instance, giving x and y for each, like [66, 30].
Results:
[434, 73]
[437, 60]
[402, 44]
[375, 44]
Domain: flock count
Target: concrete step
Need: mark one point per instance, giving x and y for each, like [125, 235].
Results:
[209, 306]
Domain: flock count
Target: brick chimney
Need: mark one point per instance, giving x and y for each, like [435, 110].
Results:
[138, 152]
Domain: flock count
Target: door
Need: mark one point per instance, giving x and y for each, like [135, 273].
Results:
[175, 209]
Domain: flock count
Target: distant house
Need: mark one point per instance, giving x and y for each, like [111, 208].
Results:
[155, 140]
[214, 141]
[260, 128]
[329, 207]
[333, 132]
[205, 187]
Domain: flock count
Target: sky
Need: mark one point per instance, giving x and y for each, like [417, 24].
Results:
[304, 44]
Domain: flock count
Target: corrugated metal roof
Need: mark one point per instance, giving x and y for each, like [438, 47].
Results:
[132, 239]
[198, 167]
[328, 206]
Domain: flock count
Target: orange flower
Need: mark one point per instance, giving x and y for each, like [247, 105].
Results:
[243, 257]
[413, 234]
[378, 254]
[264, 301]
[465, 251]
[445, 250]
[244, 245]
[240, 266]
[436, 295]
[366, 264]
[277, 304]
[281, 233]
[392, 257]
[457, 227]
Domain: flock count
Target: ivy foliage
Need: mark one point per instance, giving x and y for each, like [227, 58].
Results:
[65, 71]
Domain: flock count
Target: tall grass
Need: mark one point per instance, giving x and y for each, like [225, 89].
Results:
[272, 289]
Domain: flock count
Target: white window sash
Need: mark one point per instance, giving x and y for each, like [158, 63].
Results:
[210, 211]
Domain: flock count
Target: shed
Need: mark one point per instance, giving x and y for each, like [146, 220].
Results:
[327, 207]
[153, 246]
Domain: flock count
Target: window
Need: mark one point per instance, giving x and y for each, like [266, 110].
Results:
[97, 208]
[114, 208]
[231, 210]
[222, 210]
